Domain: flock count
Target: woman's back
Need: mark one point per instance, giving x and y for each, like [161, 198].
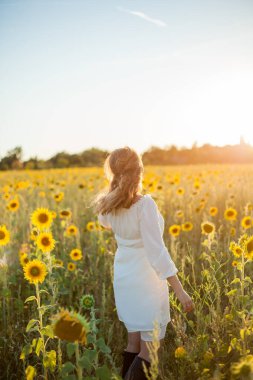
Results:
[141, 265]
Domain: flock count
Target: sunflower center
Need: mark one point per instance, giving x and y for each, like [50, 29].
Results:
[250, 246]
[35, 271]
[43, 218]
[208, 228]
[13, 204]
[2, 235]
[45, 241]
[245, 370]
[230, 213]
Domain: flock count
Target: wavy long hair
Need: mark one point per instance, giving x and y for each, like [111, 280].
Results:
[124, 169]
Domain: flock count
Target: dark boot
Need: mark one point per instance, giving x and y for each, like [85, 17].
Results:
[128, 358]
[136, 371]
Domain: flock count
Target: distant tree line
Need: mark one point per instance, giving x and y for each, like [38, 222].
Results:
[171, 155]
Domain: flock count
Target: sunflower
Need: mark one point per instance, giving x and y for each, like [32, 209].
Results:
[42, 218]
[45, 241]
[248, 246]
[70, 326]
[213, 211]
[54, 215]
[180, 191]
[71, 267]
[6, 196]
[243, 368]
[246, 222]
[207, 228]
[180, 352]
[35, 271]
[34, 234]
[24, 259]
[42, 194]
[179, 214]
[76, 254]
[187, 226]
[249, 206]
[4, 235]
[87, 301]
[174, 230]
[237, 250]
[90, 226]
[59, 196]
[58, 263]
[13, 205]
[232, 231]
[71, 230]
[230, 214]
[65, 214]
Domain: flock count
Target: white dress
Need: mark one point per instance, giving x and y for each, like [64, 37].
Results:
[142, 264]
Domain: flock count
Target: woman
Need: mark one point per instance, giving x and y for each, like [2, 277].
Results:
[142, 263]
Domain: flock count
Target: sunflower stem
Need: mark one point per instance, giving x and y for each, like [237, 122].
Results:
[41, 327]
[78, 368]
[242, 303]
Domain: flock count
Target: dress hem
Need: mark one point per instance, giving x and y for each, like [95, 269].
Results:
[144, 328]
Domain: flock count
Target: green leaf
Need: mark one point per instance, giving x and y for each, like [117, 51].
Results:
[31, 298]
[70, 377]
[103, 373]
[67, 368]
[50, 360]
[84, 363]
[231, 292]
[48, 331]
[90, 339]
[26, 350]
[235, 281]
[70, 349]
[46, 307]
[30, 324]
[44, 291]
[102, 346]
[39, 346]
[91, 355]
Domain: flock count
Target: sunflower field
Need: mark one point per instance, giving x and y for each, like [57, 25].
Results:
[58, 315]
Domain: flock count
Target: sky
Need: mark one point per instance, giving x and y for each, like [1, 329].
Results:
[77, 74]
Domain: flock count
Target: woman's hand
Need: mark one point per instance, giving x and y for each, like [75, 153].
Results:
[185, 300]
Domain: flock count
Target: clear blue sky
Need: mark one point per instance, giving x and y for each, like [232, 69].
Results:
[76, 74]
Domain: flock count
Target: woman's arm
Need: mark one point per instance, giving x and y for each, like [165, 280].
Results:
[181, 294]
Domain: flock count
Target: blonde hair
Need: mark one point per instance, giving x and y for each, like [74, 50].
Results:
[124, 169]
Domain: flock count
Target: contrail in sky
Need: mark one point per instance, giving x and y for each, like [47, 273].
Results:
[144, 17]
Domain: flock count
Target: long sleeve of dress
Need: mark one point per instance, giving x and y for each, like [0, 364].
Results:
[103, 219]
[157, 252]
